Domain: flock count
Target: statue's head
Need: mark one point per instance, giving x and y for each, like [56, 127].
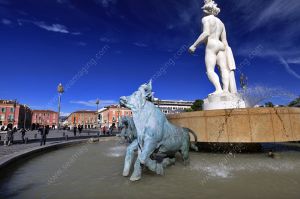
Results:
[124, 120]
[211, 8]
[138, 98]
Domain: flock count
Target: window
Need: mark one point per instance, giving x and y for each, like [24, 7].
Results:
[3, 110]
[11, 117]
[2, 117]
[11, 110]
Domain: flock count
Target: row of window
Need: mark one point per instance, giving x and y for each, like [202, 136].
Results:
[44, 114]
[10, 117]
[3, 110]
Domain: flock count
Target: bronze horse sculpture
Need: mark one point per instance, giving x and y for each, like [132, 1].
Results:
[156, 136]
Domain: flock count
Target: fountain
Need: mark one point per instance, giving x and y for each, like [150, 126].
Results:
[94, 169]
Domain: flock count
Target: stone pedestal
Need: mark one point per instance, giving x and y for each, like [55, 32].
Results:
[248, 125]
[223, 101]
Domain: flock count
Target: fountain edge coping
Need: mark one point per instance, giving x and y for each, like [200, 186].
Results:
[7, 160]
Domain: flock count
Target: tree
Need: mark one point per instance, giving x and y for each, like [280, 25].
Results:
[294, 102]
[197, 105]
[269, 104]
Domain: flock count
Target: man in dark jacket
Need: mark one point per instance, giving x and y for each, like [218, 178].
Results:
[43, 131]
[75, 130]
[80, 127]
[23, 131]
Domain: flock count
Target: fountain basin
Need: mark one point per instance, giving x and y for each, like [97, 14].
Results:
[251, 125]
[94, 170]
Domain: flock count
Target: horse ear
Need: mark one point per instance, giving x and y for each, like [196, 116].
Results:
[150, 84]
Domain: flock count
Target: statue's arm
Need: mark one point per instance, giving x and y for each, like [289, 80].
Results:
[203, 37]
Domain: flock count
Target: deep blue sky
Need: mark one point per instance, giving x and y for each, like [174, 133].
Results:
[43, 43]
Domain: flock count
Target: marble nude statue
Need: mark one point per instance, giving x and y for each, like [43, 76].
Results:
[217, 50]
[157, 139]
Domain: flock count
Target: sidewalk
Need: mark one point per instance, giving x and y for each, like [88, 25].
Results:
[54, 136]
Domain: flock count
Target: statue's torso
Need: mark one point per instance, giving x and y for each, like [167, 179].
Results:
[216, 28]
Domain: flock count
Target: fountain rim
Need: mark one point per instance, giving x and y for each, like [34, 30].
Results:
[6, 161]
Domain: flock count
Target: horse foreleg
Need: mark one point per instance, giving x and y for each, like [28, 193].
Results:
[137, 172]
[129, 157]
[148, 148]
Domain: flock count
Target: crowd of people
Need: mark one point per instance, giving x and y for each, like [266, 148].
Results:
[9, 135]
[43, 130]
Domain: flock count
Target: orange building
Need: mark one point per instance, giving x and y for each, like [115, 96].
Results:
[14, 114]
[44, 117]
[110, 115]
[86, 118]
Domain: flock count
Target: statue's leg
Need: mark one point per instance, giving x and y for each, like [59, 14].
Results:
[148, 149]
[210, 62]
[222, 62]
[185, 149]
[137, 172]
[152, 165]
[232, 87]
[129, 157]
[168, 161]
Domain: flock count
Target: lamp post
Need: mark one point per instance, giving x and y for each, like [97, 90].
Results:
[15, 106]
[118, 116]
[97, 114]
[25, 108]
[60, 90]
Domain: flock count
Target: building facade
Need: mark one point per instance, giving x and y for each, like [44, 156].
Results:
[14, 114]
[173, 106]
[44, 117]
[110, 115]
[86, 118]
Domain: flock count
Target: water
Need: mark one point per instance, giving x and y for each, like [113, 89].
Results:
[95, 171]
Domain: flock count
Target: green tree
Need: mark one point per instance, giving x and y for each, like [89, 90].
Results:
[269, 104]
[197, 105]
[294, 102]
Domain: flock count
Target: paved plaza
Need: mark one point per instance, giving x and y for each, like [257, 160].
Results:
[34, 137]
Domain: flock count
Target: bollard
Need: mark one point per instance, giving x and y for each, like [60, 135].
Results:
[0, 137]
[64, 134]
[26, 140]
[35, 136]
[66, 137]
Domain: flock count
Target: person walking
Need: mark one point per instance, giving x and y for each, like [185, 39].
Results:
[6, 138]
[43, 131]
[80, 127]
[75, 130]
[9, 136]
[23, 131]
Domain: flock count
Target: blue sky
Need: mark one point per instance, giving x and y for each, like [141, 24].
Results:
[106, 48]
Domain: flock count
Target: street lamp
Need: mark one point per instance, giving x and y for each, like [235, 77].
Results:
[97, 103]
[118, 116]
[60, 90]
[25, 107]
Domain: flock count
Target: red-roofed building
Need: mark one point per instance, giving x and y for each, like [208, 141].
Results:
[110, 115]
[44, 117]
[86, 118]
[14, 114]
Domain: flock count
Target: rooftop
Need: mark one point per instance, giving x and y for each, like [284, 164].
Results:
[8, 101]
[44, 111]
